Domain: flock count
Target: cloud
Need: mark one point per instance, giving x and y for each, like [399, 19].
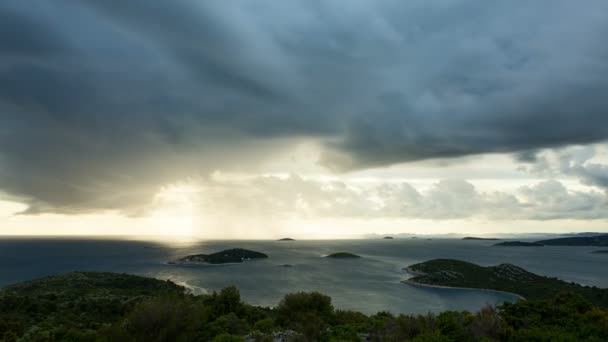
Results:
[103, 102]
[295, 196]
[575, 161]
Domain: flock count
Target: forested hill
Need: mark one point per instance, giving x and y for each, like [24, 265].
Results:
[504, 277]
[107, 307]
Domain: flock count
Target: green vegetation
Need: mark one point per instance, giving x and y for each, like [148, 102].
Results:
[519, 244]
[478, 238]
[597, 240]
[235, 255]
[343, 255]
[102, 307]
[504, 277]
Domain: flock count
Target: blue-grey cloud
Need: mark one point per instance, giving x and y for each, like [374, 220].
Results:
[103, 101]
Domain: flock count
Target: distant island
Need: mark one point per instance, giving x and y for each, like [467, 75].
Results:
[601, 251]
[235, 255]
[388, 238]
[505, 278]
[597, 240]
[286, 239]
[519, 244]
[478, 238]
[343, 255]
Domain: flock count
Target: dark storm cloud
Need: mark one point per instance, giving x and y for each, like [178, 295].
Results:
[101, 102]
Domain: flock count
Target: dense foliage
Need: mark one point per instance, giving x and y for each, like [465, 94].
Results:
[505, 277]
[115, 307]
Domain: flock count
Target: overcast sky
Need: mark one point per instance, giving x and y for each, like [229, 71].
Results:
[309, 118]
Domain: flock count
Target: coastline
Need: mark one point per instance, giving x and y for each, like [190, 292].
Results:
[415, 283]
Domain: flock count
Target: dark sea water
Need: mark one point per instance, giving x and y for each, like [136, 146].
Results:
[369, 284]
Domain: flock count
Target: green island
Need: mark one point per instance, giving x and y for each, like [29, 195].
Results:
[505, 278]
[286, 239]
[519, 244]
[388, 238]
[229, 256]
[343, 255]
[110, 307]
[597, 240]
[478, 238]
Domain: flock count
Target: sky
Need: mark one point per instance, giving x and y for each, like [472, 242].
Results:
[311, 119]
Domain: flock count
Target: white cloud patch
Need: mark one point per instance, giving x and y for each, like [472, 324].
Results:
[294, 196]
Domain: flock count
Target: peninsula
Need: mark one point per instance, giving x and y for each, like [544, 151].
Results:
[505, 278]
[597, 240]
[235, 255]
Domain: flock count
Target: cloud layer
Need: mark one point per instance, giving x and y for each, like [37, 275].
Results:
[302, 198]
[102, 102]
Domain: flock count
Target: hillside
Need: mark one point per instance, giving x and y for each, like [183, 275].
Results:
[107, 307]
[79, 300]
[504, 277]
[235, 255]
[597, 240]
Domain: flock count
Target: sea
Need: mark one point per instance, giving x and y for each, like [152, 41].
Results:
[370, 284]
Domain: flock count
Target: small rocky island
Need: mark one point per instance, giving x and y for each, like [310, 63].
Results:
[479, 238]
[286, 239]
[519, 244]
[343, 255]
[229, 256]
[388, 238]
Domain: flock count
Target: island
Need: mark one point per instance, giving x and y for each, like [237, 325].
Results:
[388, 238]
[518, 244]
[505, 278]
[478, 238]
[343, 255]
[597, 240]
[601, 251]
[229, 256]
[286, 239]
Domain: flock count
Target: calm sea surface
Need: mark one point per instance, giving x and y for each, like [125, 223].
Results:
[370, 284]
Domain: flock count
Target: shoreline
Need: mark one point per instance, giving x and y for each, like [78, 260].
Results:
[415, 283]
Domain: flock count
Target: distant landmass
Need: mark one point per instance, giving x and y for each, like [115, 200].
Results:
[505, 277]
[478, 238]
[235, 255]
[519, 244]
[388, 238]
[343, 255]
[286, 239]
[597, 240]
[601, 251]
